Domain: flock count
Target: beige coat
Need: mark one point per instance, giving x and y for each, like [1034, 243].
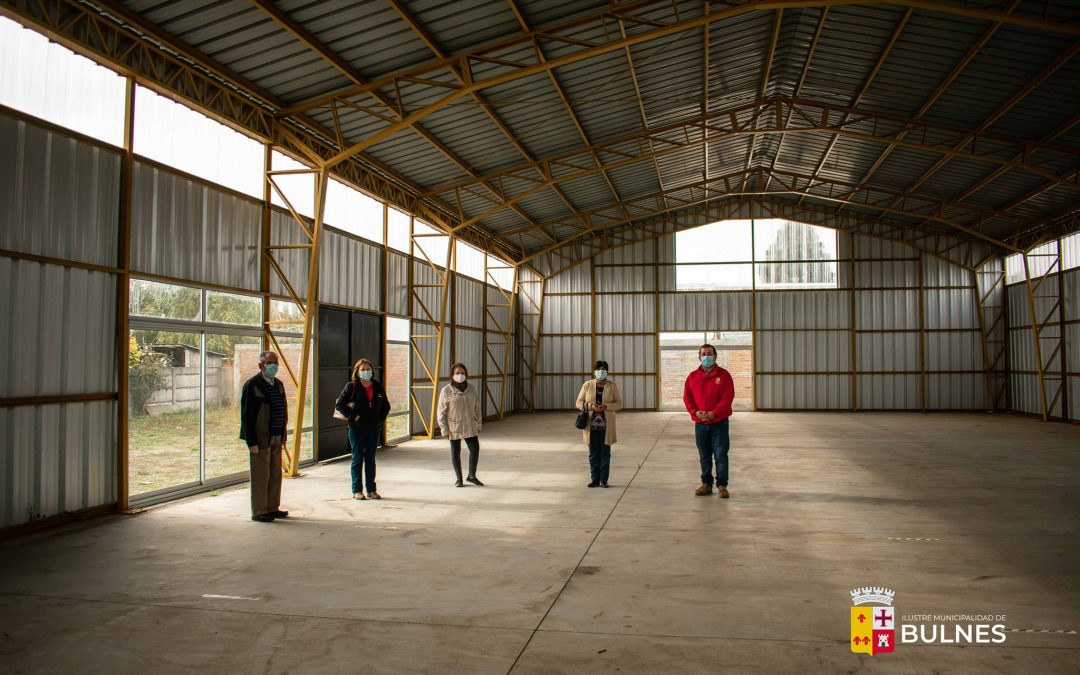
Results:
[459, 412]
[611, 398]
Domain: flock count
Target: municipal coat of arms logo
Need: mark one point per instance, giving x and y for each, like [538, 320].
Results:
[873, 624]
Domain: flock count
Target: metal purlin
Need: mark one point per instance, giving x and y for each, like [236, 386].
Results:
[1040, 321]
[989, 289]
[416, 290]
[308, 305]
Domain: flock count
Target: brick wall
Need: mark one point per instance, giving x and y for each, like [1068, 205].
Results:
[396, 375]
[676, 364]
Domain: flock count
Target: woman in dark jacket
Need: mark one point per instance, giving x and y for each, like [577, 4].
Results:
[363, 403]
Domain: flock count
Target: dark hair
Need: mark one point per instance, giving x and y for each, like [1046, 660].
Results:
[459, 365]
[600, 365]
[704, 346]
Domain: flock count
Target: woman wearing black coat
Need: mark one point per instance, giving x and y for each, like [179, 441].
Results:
[364, 404]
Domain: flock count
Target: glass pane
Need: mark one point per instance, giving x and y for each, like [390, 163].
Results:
[397, 330]
[45, 80]
[299, 188]
[430, 243]
[1014, 269]
[723, 241]
[796, 275]
[178, 136]
[397, 230]
[163, 420]
[291, 354]
[353, 211]
[286, 310]
[786, 240]
[243, 310]
[397, 427]
[501, 271]
[164, 301]
[396, 376]
[470, 262]
[713, 277]
[695, 339]
[230, 361]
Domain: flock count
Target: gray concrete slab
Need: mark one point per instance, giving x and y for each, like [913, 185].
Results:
[536, 573]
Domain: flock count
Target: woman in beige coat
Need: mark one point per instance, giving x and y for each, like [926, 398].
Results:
[603, 399]
[460, 417]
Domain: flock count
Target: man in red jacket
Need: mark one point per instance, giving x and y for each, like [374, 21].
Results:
[708, 394]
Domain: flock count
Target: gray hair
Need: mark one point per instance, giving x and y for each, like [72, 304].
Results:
[263, 356]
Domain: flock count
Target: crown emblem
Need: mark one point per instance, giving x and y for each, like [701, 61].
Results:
[872, 594]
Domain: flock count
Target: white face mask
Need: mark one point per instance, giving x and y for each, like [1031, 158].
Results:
[459, 378]
[601, 374]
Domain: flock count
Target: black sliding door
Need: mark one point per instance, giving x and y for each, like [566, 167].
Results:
[344, 338]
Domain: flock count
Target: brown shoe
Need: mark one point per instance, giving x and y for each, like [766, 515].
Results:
[703, 490]
[373, 495]
[359, 495]
[723, 491]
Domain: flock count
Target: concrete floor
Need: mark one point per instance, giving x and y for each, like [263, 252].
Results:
[537, 574]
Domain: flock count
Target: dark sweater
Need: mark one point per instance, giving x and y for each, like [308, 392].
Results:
[365, 415]
[257, 393]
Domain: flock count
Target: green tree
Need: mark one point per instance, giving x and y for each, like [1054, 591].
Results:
[146, 374]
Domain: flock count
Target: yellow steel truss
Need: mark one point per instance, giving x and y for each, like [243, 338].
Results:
[501, 315]
[1044, 311]
[419, 310]
[990, 305]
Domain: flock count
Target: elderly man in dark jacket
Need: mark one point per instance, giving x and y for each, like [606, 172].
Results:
[264, 420]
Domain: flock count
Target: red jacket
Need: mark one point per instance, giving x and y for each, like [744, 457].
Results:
[714, 392]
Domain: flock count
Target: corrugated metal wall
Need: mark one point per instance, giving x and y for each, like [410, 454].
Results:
[350, 272]
[1071, 287]
[59, 198]
[187, 230]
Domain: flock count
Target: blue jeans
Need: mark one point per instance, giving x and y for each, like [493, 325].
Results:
[712, 446]
[363, 443]
[599, 456]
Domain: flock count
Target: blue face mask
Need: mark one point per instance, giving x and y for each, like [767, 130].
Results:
[271, 370]
[601, 374]
[366, 374]
[708, 361]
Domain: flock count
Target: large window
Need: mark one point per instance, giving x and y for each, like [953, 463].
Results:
[353, 211]
[177, 136]
[192, 349]
[45, 80]
[763, 254]
[396, 378]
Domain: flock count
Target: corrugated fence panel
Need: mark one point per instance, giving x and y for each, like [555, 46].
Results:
[870, 247]
[59, 458]
[1071, 289]
[284, 230]
[574, 280]
[1072, 342]
[638, 391]
[888, 392]
[426, 347]
[627, 353]
[641, 253]
[886, 310]
[567, 314]
[565, 355]
[1019, 314]
[954, 351]
[495, 355]
[802, 392]
[937, 272]
[704, 311]
[950, 309]
[804, 310]
[469, 349]
[351, 272]
[558, 392]
[469, 302]
[887, 274]
[956, 392]
[69, 349]
[397, 285]
[622, 279]
[818, 351]
[625, 314]
[887, 352]
[59, 197]
[1025, 393]
[429, 291]
[186, 230]
[498, 309]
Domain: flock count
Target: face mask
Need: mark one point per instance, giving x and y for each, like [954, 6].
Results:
[459, 378]
[271, 370]
[365, 374]
[708, 361]
[601, 374]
